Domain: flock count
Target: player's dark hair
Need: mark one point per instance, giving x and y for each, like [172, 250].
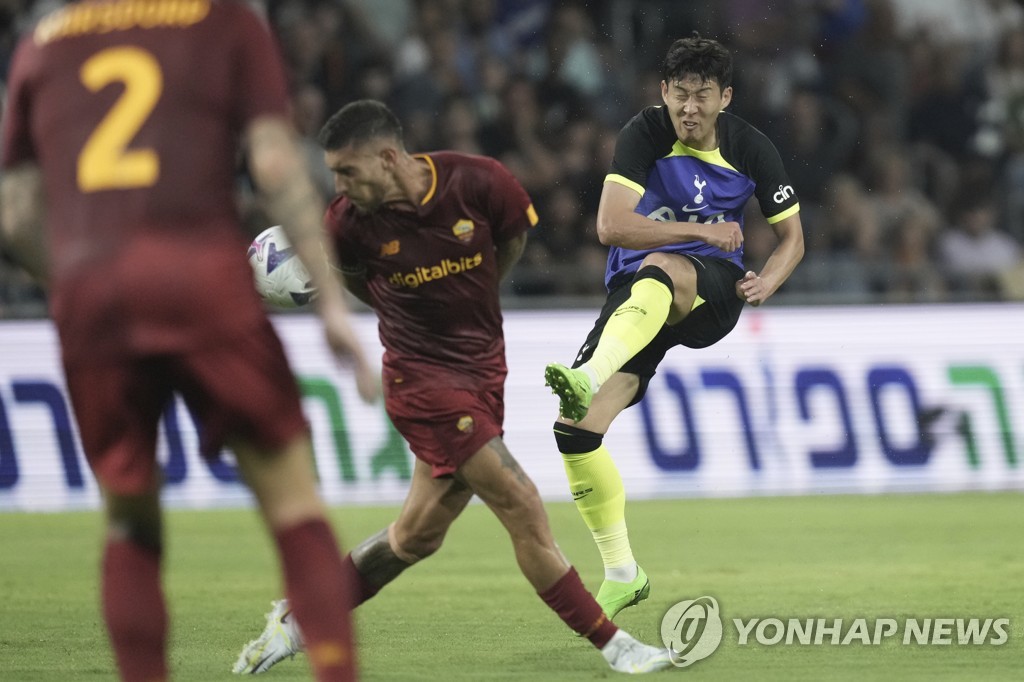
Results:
[358, 122]
[708, 59]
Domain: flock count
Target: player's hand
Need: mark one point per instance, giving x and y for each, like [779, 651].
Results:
[726, 236]
[345, 345]
[752, 289]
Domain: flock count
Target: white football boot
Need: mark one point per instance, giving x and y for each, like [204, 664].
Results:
[279, 640]
[627, 655]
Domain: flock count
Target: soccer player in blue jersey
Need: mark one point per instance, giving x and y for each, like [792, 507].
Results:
[672, 212]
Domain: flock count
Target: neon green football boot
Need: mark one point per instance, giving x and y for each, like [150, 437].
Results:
[572, 388]
[615, 596]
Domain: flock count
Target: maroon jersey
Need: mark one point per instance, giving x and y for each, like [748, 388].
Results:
[432, 272]
[133, 111]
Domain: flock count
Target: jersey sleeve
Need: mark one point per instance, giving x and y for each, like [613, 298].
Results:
[260, 76]
[772, 187]
[508, 204]
[17, 140]
[637, 147]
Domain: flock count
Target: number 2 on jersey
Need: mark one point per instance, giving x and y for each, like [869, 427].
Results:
[105, 161]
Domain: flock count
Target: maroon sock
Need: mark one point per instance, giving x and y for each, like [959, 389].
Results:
[315, 584]
[133, 607]
[577, 607]
[361, 588]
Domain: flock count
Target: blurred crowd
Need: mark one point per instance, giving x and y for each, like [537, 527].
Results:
[901, 122]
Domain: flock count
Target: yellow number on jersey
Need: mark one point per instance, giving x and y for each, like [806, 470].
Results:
[105, 161]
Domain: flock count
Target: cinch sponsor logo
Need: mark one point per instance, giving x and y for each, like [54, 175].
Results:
[429, 273]
[842, 632]
[785, 192]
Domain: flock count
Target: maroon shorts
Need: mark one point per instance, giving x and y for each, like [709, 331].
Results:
[445, 427]
[241, 389]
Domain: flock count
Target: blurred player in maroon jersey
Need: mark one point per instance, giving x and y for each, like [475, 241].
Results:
[425, 240]
[120, 144]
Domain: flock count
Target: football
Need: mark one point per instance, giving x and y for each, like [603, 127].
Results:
[281, 278]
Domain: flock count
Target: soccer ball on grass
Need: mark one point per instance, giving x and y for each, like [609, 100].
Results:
[280, 277]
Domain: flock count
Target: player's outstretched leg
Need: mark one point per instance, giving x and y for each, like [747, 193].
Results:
[370, 566]
[495, 476]
[626, 331]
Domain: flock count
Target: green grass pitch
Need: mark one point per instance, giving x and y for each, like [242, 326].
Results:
[467, 613]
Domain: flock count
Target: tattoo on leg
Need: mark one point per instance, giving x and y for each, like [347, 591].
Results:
[376, 561]
[507, 460]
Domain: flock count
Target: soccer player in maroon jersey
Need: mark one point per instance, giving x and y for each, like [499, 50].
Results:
[119, 152]
[425, 240]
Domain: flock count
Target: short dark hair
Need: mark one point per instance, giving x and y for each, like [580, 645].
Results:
[708, 59]
[358, 122]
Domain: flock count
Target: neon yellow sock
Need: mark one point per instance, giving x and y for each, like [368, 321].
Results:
[597, 489]
[630, 328]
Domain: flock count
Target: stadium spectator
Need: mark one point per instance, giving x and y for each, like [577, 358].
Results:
[425, 240]
[133, 229]
[894, 190]
[975, 254]
[911, 275]
[674, 219]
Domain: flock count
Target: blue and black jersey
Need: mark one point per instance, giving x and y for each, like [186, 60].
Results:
[683, 184]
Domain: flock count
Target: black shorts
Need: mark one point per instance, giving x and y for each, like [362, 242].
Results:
[706, 324]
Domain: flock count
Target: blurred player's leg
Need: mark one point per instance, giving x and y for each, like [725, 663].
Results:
[133, 601]
[314, 578]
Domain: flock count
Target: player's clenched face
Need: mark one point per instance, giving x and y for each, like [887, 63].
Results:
[693, 105]
[363, 173]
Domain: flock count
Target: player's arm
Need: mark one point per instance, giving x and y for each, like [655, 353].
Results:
[291, 199]
[756, 288]
[508, 253]
[21, 215]
[619, 225]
